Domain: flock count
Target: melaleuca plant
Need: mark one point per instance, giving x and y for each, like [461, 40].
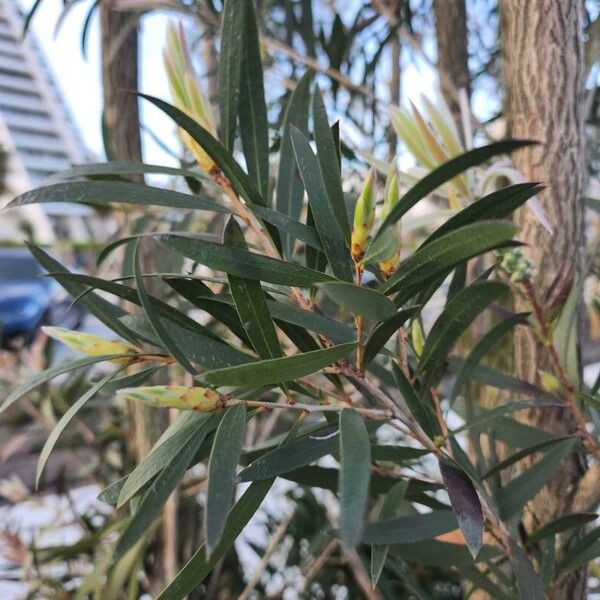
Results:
[309, 313]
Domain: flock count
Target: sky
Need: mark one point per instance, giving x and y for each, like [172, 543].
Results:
[79, 77]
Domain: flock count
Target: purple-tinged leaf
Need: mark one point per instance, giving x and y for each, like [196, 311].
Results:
[466, 505]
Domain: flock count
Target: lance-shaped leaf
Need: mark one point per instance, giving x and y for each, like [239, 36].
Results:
[445, 173]
[384, 331]
[512, 497]
[104, 193]
[564, 523]
[241, 183]
[153, 500]
[448, 251]
[529, 583]
[168, 446]
[419, 406]
[230, 60]
[164, 310]
[497, 205]
[117, 168]
[458, 314]
[364, 301]
[106, 312]
[327, 154]
[222, 464]
[392, 507]
[235, 261]
[161, 332]
[482, 347]
[465, 503]
[40, 378]
[250, 301]
[200, 565]
[254, 127]
[355, 464]
[298, 453]
[66, 419]
[287, 368]
[289, 191]
[329, 230]
[414, 528]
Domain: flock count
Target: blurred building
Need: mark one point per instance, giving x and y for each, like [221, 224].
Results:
[38, 136]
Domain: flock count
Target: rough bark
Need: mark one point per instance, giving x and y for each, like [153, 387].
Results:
[119, 52]
[543, 76]
[452, 52]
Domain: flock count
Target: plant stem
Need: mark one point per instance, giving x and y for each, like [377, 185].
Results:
[373, 413]
[359, 322]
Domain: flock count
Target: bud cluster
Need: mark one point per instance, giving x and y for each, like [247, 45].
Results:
[186, 92]
[514, 262]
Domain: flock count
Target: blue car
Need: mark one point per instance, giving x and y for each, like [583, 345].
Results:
[29, 300]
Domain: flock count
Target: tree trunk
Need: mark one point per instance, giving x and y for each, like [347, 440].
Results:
[543, 77]
[452, 52]
[119, 52]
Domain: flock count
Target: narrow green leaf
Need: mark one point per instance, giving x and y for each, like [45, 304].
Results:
[500, 204]
[392, 507]
[104, 311]
[254, 126]
[442, 554]
[448, 251]
[289, 191]
[250, 301]
[153, 500]
[327, 154]
[200, 565]
[300, 452]
[355, 464]
[242, 263]
[38, 379]
[106, 193]
[274, 370]
[161, 332]
[66, 419]
[330, 233]
[415, 528]
[230, 60]
[359, 300]
[199, 348]
[512, 497]
[446, 172]
[542, 446]
[241, 183]
[384, 331]
[119, 290]
[458, 314]
[482, 347]
[222, 464]
[564, 523]
[418, 406]
[528, 581]
[118, 168]
[201, 296]
[173, 440]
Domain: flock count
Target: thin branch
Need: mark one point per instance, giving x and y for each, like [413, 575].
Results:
[269, 550]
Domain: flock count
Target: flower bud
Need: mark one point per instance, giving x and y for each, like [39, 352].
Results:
[389, 264]
[86, 343]
[175, 396]
[418, 338]
[549, 382]
[364, 218]
[186, 93]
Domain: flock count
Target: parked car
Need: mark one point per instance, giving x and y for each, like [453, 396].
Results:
[29, 300]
